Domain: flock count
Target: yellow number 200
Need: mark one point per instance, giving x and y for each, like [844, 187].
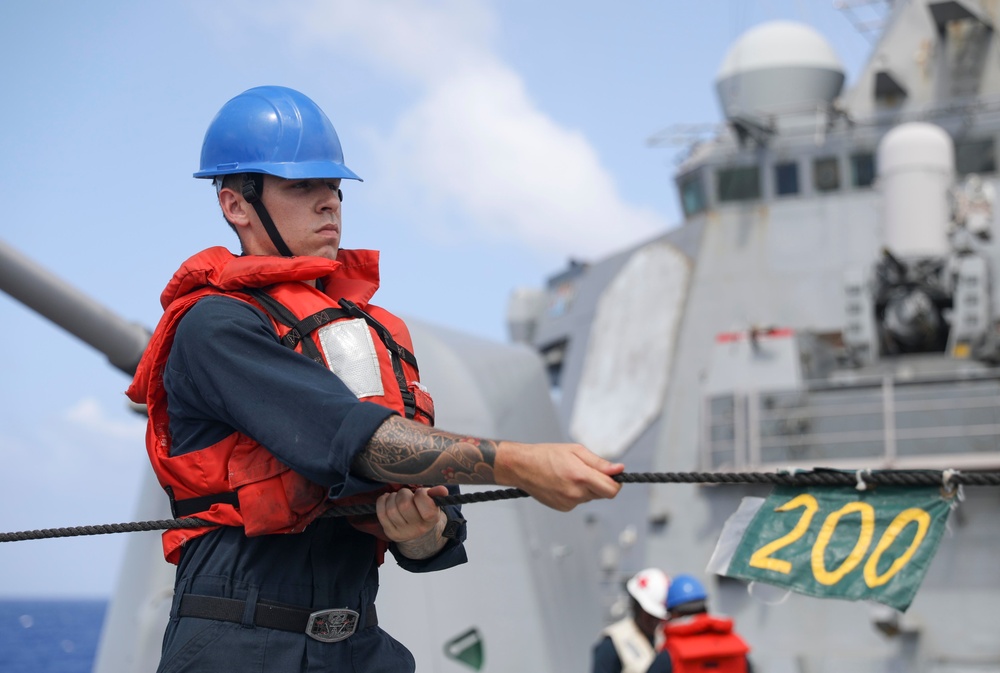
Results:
[762, 558]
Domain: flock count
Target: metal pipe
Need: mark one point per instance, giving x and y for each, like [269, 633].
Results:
[37, 288]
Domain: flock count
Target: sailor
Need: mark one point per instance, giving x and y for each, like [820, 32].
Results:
[693, 640]
[628, 645]
[274, 389]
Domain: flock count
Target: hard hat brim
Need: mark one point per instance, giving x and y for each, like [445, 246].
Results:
[658, 610]
[287, 171]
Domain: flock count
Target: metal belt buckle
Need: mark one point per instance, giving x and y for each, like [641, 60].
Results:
[329, 626]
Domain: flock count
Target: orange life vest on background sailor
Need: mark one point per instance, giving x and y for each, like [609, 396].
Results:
[693, 640]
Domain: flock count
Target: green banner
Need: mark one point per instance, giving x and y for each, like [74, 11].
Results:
[844, 543]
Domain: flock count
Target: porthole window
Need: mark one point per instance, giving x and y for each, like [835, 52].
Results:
[975, 156]
[692, 195]
[786, 179]
[826, 174]
[862, 170]
[738, 184]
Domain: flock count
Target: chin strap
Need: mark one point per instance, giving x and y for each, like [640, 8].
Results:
[253, 187]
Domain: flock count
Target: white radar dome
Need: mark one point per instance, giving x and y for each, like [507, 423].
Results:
[780, 67]
[916, 168]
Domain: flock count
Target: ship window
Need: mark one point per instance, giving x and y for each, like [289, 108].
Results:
[692, 195]
[862, 170]
[826, 174]
[975, 156]
[739, 184]
[786, 179]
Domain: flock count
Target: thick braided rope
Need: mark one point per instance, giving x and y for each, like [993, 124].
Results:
[813, 478]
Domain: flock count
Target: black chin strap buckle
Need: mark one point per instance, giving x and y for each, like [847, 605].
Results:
[253, 185]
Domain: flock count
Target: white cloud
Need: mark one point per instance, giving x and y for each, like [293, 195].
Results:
[89, 415]
[422, 40]
[475, 146]
[478, 142]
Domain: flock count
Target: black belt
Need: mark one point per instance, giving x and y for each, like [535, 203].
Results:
[327, 626]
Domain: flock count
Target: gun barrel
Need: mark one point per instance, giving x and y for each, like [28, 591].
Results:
[37, 288]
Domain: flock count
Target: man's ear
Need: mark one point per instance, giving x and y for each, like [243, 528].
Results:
[234, 207]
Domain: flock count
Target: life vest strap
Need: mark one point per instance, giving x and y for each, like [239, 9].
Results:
[383, 332]
[199, 504]
[304, 327]
[282, 315]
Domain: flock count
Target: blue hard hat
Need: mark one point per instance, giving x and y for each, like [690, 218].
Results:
[273, 130]
[684, 589]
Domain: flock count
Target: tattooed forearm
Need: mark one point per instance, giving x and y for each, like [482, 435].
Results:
[403, 451]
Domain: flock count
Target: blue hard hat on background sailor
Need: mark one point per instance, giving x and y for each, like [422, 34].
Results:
[686, 591]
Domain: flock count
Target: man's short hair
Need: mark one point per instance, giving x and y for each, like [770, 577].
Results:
[232, 181]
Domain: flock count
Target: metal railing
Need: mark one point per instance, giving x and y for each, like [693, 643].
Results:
[881, 423]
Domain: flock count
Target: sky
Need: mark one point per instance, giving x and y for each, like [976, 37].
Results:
[497, 140]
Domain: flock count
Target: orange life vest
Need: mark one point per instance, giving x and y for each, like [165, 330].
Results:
[705, 643]
[238, 482]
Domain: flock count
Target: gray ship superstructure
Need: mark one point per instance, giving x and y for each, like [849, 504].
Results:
[829, 300]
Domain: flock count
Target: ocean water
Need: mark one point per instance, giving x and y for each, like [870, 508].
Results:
[49, 636]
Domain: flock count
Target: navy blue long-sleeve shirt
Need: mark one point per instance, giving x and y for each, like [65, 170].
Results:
[228, 371]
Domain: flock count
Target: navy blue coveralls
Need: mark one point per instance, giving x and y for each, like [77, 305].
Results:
[227, 370]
